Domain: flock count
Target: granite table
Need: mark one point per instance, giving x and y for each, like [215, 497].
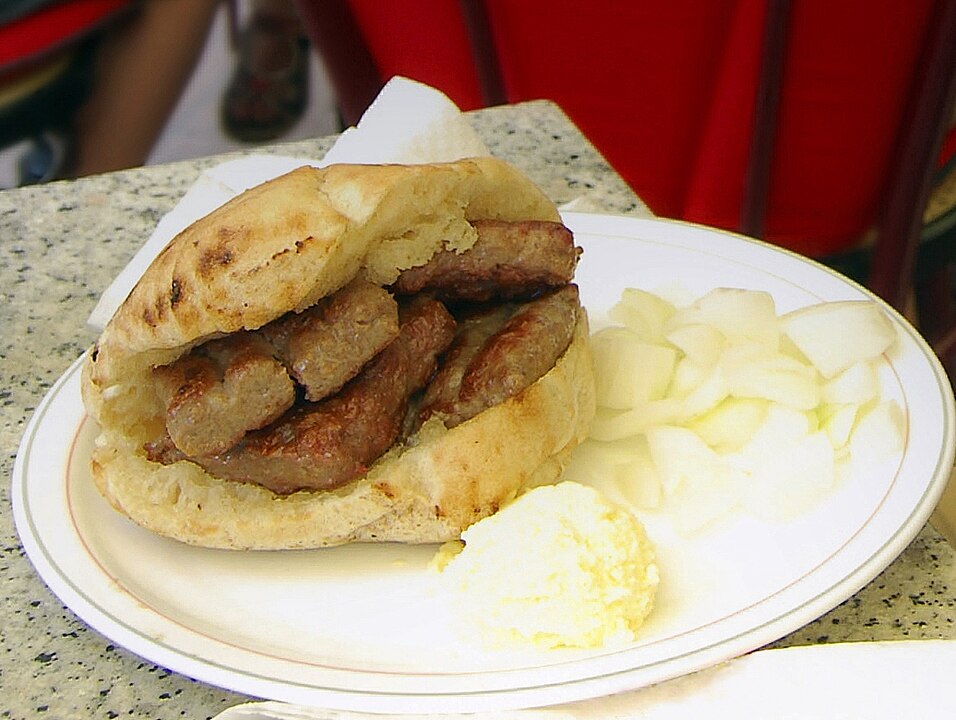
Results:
[62, 243]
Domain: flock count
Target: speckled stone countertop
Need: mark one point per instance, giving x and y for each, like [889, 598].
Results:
[61, 244]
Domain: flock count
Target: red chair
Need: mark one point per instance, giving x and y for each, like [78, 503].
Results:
[814, 125]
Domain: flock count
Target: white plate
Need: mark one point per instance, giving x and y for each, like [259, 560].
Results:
[361, 627]
[873, 680]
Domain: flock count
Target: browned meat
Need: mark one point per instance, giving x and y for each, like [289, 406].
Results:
[327, 345]
[163, 451]
[327, 444]
[509, 260]
[361, 359]
[220, 391]
[474, 331]
[487, 372]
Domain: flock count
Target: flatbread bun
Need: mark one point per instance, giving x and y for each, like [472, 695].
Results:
[281, 247]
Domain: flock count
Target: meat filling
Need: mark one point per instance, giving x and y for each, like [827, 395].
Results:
[206, 393]
[508, 260]
[328, 344]
[227, 387]
[475, 329]
[311, 400]
[320, 446]
[499, 354]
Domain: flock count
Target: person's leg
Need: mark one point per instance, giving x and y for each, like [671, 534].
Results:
[142, 67]
[268, 91]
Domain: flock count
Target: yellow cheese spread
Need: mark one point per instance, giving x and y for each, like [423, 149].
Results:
[560, 566]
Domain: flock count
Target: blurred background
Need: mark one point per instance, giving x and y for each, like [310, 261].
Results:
[194, 129]
[176, 79]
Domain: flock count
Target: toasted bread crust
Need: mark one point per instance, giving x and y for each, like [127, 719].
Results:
[283, 246]
[287, 243]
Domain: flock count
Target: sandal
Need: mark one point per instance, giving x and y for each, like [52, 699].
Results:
[268, 91]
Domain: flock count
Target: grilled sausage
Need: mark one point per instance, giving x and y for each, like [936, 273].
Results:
[222, 390]
[329, 343]
[496, 359]
[508, 260]
[321, 446]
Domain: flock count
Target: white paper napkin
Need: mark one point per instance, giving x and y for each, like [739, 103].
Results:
[408, 122]
[905, 680]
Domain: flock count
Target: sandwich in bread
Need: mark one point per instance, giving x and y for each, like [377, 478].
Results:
[348, 354]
